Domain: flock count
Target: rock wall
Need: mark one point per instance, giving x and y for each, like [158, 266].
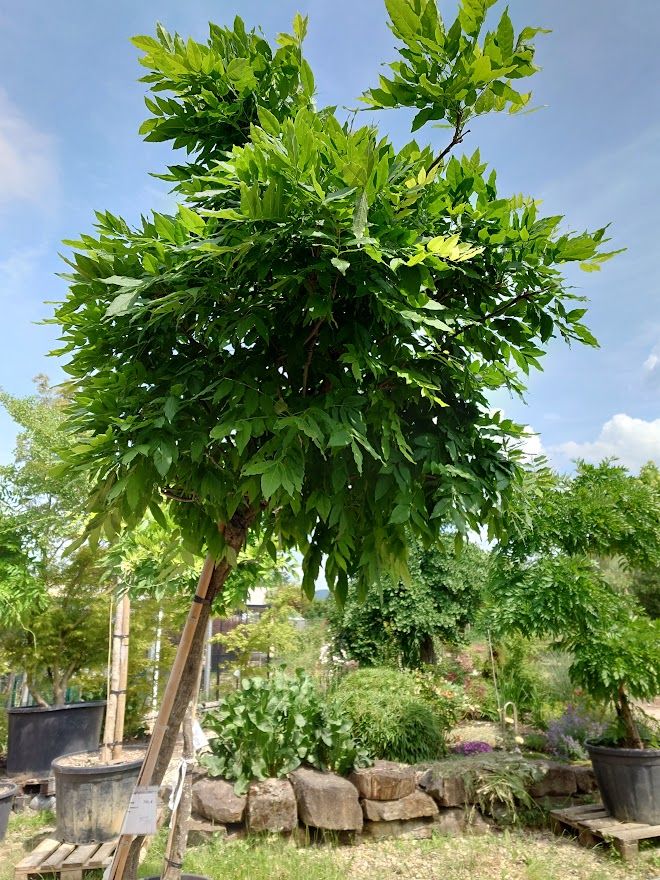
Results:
[386, 800]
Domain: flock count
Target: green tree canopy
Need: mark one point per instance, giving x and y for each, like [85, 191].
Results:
[551, 576]
[306, 346]
[398, 623]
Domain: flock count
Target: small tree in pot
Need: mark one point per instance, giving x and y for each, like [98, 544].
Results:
[53, 611]
[550, 577]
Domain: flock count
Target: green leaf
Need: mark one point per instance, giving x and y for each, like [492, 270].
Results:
[307, 77]
[121, 305]
[341, 265]
[300, 26]
[360, 214]
[191, 220]
[404, 19]
[400, 514]
[270, 482]
[171, 407]
[162, 457]
[505, 36]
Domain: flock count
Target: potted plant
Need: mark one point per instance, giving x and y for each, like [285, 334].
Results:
[53, 644]
[564, 572]
[53, 614]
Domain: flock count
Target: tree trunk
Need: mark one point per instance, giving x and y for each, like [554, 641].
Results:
[235, 534]
[427, 651]
[633, 739]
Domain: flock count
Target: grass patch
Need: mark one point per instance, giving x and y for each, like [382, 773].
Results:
[268, 858]
[514, 855]
[24, 832]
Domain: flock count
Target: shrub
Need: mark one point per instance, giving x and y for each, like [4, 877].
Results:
[567, 735]
[395, 714]
[270, 726]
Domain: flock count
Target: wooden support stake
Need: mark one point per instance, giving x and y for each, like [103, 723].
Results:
[113, 682]
[117, 748]
[116, 871]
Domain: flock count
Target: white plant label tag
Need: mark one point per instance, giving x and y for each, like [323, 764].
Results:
[200, 740]
[141, 815]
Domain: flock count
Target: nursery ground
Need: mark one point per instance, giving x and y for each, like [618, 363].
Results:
[517, 855]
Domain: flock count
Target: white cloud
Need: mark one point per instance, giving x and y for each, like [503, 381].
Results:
[632, 441]
[651, 368]
[27, 161]
[531, 443]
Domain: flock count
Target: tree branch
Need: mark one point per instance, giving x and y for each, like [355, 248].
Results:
[499, 311]
[168, 494]
[459, 134]
[310, 342]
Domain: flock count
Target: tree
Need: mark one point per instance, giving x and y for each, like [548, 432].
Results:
[53, 609]
[550, 578]
[398, 623]
[273, 633]
[305, 348]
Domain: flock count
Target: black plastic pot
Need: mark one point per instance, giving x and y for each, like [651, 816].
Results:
[7, 792]
[91, 801]
[37, 735]
[629, 781]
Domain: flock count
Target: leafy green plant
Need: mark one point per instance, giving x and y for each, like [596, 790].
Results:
[399, 623]
[548, 578]
[393, 714]
[497, 783]
[306, 348]
[270, 726]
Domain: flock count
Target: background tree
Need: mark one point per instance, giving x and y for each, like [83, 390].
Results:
[305, 348]
[550, 578]
[53, 620]
[398, 623]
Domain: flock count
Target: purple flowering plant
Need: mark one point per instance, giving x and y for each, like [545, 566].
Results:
[567, 734]
[473, 747]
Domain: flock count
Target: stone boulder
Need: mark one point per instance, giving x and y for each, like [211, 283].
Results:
[385, 781]
[585, 779]
[558, 780]
[271, 806]
[448, 790]
[326, 800]
[450, 821]
[410, 829]
[414, 806]
[215, 800]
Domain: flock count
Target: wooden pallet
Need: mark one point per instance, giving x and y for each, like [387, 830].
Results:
[593, 825]
[69, 860]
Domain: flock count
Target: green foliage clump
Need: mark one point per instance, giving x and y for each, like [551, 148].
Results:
[398, 624]
[394, 715]
[308, 344]
[498, 784]
[270, 726]
[550, 578]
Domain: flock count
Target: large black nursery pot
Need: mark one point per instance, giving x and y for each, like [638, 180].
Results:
[629, 782]
[7, 792]
[91, 799]
[39, 734]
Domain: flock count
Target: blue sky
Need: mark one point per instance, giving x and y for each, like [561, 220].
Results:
[70, 107]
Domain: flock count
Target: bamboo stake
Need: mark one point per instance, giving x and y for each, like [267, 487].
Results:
[116, 870]
[177, 840]
[117, 746]
[111, 707]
